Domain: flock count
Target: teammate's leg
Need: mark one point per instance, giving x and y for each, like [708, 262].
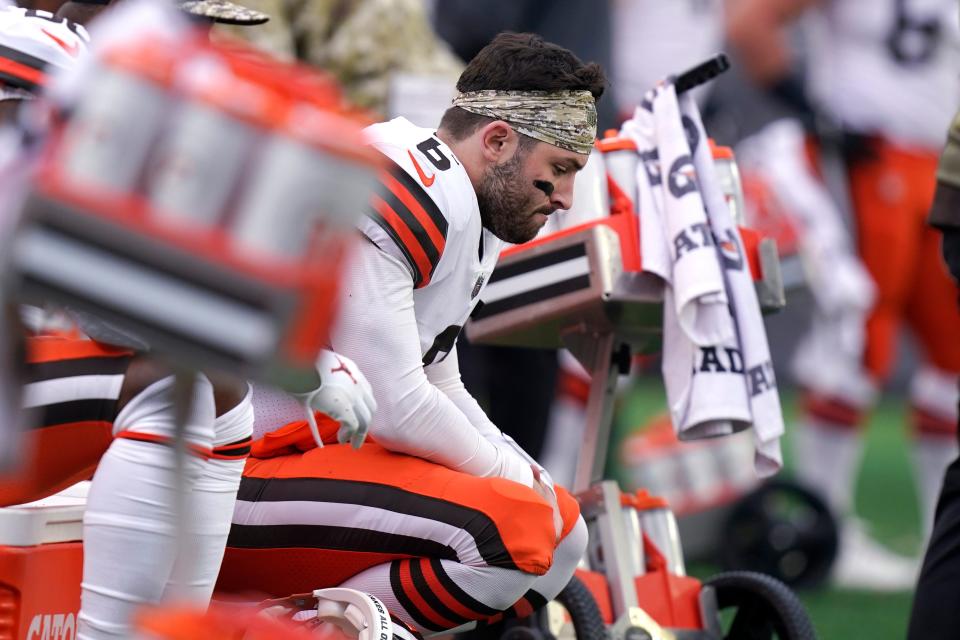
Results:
[434, 595]
[566, 557]
[888, 236]
[129, 527]
[212, 498]
[829, 446]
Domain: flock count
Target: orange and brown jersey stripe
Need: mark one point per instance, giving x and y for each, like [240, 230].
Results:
[69, 381]
[455, 599]
[407, 213]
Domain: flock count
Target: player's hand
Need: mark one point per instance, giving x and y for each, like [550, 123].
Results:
[344, 395]
[543, 485]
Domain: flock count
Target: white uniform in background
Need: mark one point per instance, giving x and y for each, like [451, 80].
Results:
[879, 72]
[653, 39]
[889, 70]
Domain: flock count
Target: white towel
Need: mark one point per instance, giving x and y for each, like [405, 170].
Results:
[716, 364]
[677, 245]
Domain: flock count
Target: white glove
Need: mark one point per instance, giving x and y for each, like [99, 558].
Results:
[344, 395]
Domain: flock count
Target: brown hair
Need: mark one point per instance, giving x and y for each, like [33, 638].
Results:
[520, 62]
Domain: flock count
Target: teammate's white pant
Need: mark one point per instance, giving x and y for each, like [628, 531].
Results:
[212, 500]
[129, 528]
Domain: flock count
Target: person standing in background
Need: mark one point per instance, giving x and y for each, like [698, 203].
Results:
[653, 39]
[887, 74]
[364, 44]
[935, 614]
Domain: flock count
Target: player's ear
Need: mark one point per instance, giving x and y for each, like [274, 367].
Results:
[498, 142]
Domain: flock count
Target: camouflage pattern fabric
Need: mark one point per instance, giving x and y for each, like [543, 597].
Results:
[566, 119]
[945, 212]
[224, 12]
[361, 42]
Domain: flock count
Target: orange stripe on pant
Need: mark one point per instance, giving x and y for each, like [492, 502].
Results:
[413, 601]
[448, 599]
[892, 195]
[522, 518]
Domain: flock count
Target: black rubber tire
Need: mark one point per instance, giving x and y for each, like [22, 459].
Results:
[781, 529]
[766, 608]
[582, 607]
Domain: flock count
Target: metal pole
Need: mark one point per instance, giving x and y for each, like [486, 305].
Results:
[596, 435]
[184, 380]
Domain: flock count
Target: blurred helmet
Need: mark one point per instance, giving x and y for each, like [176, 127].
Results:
[31, 42]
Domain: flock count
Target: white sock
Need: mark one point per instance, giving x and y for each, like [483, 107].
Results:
[212, 500]
[494, 588]
[931, 457]
[129, 525]
[828, 461]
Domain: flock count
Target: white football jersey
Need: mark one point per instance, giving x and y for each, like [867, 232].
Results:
[425, 213]
[653, 39]
[890, 67]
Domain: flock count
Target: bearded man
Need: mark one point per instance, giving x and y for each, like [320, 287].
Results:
[441, 516]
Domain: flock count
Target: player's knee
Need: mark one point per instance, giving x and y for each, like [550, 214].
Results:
[566, 557]
[508, 587]
[573, 546]
[524, 525]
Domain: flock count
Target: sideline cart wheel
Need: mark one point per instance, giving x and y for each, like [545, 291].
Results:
[783, 530]
[762, 608]
[582, 608]
[573, 614]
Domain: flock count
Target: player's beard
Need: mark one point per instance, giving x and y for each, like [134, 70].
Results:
[506, 202]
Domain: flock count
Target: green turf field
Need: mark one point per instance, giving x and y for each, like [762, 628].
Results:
[885, 498]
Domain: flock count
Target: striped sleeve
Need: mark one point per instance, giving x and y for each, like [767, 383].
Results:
[411, 219]
[69, 381]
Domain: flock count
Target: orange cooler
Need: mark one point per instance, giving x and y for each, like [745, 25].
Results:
[41, 562]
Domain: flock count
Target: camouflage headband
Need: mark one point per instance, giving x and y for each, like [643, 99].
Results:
[566, 119]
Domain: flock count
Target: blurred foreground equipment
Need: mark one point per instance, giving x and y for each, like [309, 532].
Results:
[198, 197]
